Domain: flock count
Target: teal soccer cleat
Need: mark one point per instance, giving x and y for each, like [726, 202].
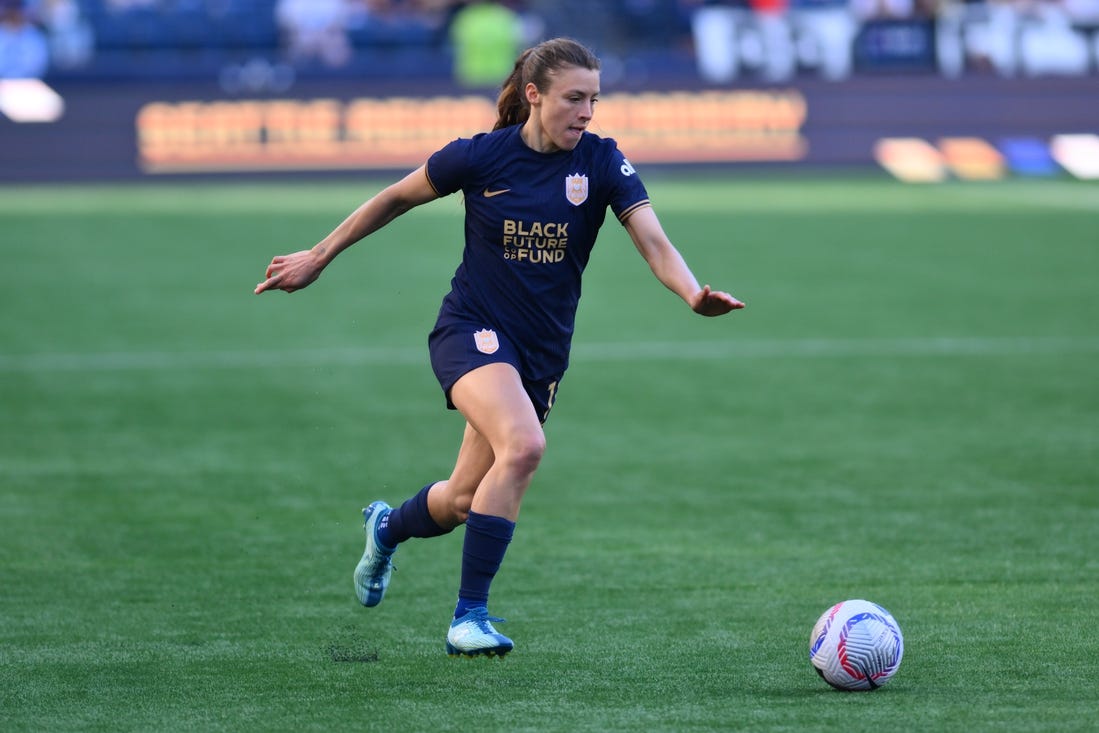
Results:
[373, 571]
[472, 635]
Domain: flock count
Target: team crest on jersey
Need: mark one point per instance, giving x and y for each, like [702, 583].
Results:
[576, 188]
[486, 341]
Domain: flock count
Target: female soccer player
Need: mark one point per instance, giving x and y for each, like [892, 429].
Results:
[536, 192]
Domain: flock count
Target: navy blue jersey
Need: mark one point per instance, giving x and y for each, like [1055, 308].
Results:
[531, 222]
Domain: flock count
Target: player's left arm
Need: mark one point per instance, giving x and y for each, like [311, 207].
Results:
[670, 268]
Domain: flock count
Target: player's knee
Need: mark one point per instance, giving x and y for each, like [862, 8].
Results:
[450, 502]
[454, 501]
[524, 451]
[459, 507]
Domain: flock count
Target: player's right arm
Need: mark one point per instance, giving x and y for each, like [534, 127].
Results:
[295, 271]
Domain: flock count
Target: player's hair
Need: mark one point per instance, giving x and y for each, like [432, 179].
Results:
[536, 65]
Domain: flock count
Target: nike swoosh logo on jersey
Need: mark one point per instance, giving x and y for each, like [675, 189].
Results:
[490, 194]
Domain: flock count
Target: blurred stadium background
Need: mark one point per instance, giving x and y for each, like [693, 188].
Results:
[929, 89]
[906, 411]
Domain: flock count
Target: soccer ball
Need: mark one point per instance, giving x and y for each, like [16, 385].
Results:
[856, 645]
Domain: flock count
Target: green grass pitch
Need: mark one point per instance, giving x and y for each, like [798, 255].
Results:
[907, 411]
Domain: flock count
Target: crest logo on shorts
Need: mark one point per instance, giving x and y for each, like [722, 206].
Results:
[576, 189]
[486, 341]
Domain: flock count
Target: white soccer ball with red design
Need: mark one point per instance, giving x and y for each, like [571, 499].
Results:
[856, 645]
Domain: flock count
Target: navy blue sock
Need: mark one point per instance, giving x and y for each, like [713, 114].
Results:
[411, 519]
[486, 541]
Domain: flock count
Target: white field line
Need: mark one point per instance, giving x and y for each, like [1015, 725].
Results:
[742, 196]
[640, 351]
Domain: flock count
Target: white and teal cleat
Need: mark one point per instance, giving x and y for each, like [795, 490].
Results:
[472, 635]
[373, 571]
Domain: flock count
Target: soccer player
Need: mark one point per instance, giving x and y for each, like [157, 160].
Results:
[536, 192]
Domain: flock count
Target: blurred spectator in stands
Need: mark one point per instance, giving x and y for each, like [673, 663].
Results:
[1051, 43]
[24, 51]
[487, 37]
[315, 30]
[72, 43]
[777, 60]
[729, 36]
[714, 30]
[1011, 37]
[825, 31]
[988, 34]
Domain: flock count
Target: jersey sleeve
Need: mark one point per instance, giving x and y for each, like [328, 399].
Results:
[628, 193]
[448, 168]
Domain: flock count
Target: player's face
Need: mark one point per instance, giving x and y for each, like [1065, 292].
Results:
[565, 109]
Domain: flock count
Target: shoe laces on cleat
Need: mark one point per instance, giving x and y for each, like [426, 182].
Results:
[479, 617]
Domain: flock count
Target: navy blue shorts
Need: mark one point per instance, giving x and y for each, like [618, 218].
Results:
[458, 348]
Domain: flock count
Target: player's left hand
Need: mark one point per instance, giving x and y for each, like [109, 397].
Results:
[708, 302]
[291, 272]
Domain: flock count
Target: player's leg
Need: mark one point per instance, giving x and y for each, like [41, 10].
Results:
[450, 500]
[497, 407]
[436, 510]
[494, 402]
[441, 506]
